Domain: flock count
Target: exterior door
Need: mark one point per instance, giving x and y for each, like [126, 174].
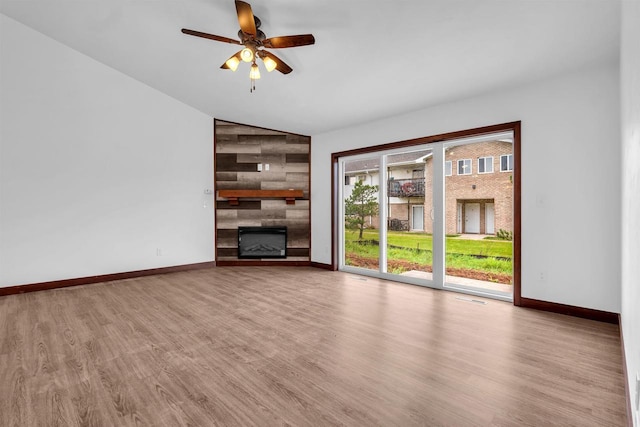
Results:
[417, 217]
[489, 218]
[472, 218]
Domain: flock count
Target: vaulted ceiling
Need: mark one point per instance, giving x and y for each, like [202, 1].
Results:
[371, 59]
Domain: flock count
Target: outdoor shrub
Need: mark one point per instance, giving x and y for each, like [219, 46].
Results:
[504, 235]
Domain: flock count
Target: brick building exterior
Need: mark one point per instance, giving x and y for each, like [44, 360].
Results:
[478, 189]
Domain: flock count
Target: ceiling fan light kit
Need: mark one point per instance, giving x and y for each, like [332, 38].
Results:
[269, 64]
[254, 41]
[232, 63]
[247, 55]
[254, 74]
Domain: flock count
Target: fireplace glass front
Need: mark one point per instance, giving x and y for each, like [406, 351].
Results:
[262, 242]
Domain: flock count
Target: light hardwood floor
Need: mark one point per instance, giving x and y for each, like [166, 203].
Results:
[297, 346]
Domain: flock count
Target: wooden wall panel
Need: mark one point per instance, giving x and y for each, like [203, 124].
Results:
[245, 204]
[298, 167]
[278, 147]
[297, 158]
[260, 214]
[228, 162]
[239, 149]
[227, 176]
[228, 252]
[272, 159]
[238, 185]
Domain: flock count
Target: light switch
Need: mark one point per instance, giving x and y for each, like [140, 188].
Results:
[259, 167]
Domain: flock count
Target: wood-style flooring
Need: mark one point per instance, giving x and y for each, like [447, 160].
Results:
[243, 346]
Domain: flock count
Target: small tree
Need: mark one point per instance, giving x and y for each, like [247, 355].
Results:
[361, 204]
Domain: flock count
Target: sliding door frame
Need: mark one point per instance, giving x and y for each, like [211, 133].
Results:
[504, 127]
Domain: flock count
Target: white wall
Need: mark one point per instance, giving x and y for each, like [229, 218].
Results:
[570, 178]
[97, 170]
[630, 91]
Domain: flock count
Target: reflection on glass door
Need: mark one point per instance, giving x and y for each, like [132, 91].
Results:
[409, 240]
[479, 214]
[361, 230]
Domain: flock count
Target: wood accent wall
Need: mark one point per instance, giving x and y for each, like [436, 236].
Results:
[239, 149]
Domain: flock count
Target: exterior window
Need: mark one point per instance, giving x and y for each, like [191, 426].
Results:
[464, 167]
[447, 168]
[347, 180]
[485, 164]
[506, 162]
[362, 178]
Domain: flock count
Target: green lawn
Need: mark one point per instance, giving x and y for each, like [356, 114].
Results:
[459, 252]
[456, 245]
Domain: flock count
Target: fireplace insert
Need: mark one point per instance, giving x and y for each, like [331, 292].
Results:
[262, 242]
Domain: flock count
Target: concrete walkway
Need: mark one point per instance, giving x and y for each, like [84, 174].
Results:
[453, 280]
[473, 236]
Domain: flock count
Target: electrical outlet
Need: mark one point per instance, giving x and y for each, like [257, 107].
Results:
[266, 166]
[543, 276]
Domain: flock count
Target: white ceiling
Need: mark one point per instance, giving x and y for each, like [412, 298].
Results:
[371, 59]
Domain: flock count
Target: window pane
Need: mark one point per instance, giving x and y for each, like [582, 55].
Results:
[485, 164]
[361, 220]
[464, 167]
[409, 226]
[447, 168]
[479, 220]
[506, 162]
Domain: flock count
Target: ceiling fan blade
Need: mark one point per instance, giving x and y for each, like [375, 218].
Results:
[225, 66]
[280, 64]
[245, 18]
[210, 36]
[289, 41]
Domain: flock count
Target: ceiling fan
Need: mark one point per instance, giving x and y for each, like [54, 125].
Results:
[255, 42]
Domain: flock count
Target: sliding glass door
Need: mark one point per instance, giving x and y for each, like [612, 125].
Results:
[407, 226]
[438, 214]
[360, 229]
[478, 214]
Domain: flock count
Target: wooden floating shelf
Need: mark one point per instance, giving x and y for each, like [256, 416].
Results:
[234, 195]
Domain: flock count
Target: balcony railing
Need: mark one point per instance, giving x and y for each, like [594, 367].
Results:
[406, 187]
[395, 224]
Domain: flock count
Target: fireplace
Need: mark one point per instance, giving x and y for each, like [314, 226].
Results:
[262, 242]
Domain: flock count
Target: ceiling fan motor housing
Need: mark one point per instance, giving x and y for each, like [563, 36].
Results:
[245, 37]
